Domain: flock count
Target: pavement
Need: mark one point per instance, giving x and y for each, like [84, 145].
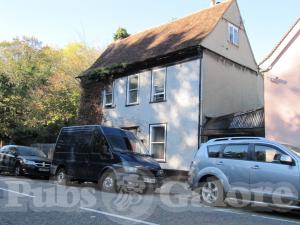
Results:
[26, 201]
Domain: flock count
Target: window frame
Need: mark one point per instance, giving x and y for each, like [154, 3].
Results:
[95, 135]
[153, 94]
[222, 146]
[133, 129]
[249, 154]
[235, 35]
[253, 158]
[164, 160]
[128, 91]
[105, 104]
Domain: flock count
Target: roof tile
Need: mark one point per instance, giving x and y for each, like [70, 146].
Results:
[158, 41]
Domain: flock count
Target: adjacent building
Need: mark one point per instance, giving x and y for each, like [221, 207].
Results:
[281, 70]
[165, 82]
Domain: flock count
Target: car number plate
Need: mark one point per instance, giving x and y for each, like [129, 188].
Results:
[44, 169]
[149, 180]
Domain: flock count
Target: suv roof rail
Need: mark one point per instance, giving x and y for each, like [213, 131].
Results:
[235, 139]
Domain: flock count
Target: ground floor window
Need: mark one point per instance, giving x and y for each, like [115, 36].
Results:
[108, 96]
[158, 135]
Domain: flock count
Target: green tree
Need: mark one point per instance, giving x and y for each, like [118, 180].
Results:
[121, 33]
[39, 92]
[59, 100]
[24, 67]
[10, 106]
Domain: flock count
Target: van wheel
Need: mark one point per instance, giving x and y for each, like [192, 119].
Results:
[212, 192]
[62, 177]
[107, 182]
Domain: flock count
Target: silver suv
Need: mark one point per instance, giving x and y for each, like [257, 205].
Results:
[249, 168]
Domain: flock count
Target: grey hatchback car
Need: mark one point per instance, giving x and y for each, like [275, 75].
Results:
[252, 169]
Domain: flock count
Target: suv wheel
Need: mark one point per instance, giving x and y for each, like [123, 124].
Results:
[62, 177]
[107, 182]
[212, 192]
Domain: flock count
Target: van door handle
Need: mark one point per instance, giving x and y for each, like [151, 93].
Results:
[256, 167]
[220, 163]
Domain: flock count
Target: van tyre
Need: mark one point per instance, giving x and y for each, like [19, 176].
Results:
[107, 182]
[62, 177]
[212, 192]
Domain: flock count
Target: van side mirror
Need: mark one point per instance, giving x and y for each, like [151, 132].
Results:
[286, 159]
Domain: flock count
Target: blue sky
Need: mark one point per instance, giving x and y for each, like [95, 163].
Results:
[58, 22]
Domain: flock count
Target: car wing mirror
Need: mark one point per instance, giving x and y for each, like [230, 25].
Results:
[286, 159]
[13, 154]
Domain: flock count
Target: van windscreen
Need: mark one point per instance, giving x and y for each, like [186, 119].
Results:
[124, 141]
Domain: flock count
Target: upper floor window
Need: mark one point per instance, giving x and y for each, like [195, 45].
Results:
[233, 34]
[133, 90]
[158, 134]
[158, 89]
[108, 95]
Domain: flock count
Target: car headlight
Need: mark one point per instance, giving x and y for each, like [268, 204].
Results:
[160, 172]
[130, 169]
[28, 162]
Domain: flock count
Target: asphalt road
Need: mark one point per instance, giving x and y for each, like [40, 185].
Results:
[25, 201]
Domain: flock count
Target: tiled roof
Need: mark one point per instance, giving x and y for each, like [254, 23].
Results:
[161, 40]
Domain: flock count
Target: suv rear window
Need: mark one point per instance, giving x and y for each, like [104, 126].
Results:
[236, 151]
[214, 151]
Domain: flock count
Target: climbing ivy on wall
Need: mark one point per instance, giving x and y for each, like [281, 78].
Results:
[104, 72]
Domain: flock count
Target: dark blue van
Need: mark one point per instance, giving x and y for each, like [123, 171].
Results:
[111, 157]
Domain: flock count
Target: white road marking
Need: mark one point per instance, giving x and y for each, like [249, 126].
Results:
[274, 218]
[16, 192]
[141, 221]
[11, 179]
[229, 211]
[118, 216]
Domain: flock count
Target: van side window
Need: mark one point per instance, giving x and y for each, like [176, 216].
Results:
[77, 142]
[239, 151]
[82, 142]
[100, 144]
[63, 143]
[214, 151]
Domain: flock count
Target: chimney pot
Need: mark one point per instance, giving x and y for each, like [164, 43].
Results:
[212, 2]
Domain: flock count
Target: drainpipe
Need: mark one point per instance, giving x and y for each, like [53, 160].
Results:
[200, 108]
